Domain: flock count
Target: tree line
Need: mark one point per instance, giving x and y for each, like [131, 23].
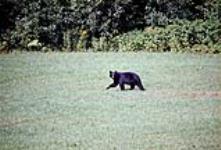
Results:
[74, 25]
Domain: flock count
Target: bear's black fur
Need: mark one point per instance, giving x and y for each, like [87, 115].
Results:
[122, 78]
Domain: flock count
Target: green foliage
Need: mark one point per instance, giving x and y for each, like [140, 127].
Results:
[58, 24]
[193, 36]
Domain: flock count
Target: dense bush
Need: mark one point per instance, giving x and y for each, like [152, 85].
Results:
[163, 25]
[193, 36]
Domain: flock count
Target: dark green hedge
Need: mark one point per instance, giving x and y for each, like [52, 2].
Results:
[75, 25]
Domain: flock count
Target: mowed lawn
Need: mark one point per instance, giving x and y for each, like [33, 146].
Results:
[58, 101]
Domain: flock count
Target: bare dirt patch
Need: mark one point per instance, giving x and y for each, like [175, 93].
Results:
[194, 95]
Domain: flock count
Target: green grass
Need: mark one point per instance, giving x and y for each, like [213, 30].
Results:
[58, 101]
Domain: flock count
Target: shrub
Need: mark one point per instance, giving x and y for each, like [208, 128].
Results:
[196, 36]
[172, 25]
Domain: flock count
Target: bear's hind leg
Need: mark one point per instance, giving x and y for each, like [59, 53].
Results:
[132, 86]
[141, 86]
[122, 87]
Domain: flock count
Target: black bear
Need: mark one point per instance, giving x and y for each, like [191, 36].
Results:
[122, 78]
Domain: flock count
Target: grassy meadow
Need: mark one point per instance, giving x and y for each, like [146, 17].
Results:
[58, 101]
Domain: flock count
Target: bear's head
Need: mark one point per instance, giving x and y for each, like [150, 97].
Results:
[112, 74]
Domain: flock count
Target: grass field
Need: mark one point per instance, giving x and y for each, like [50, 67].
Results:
[58, 101]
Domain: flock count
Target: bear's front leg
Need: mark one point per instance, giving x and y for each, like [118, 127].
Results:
[111, 85]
